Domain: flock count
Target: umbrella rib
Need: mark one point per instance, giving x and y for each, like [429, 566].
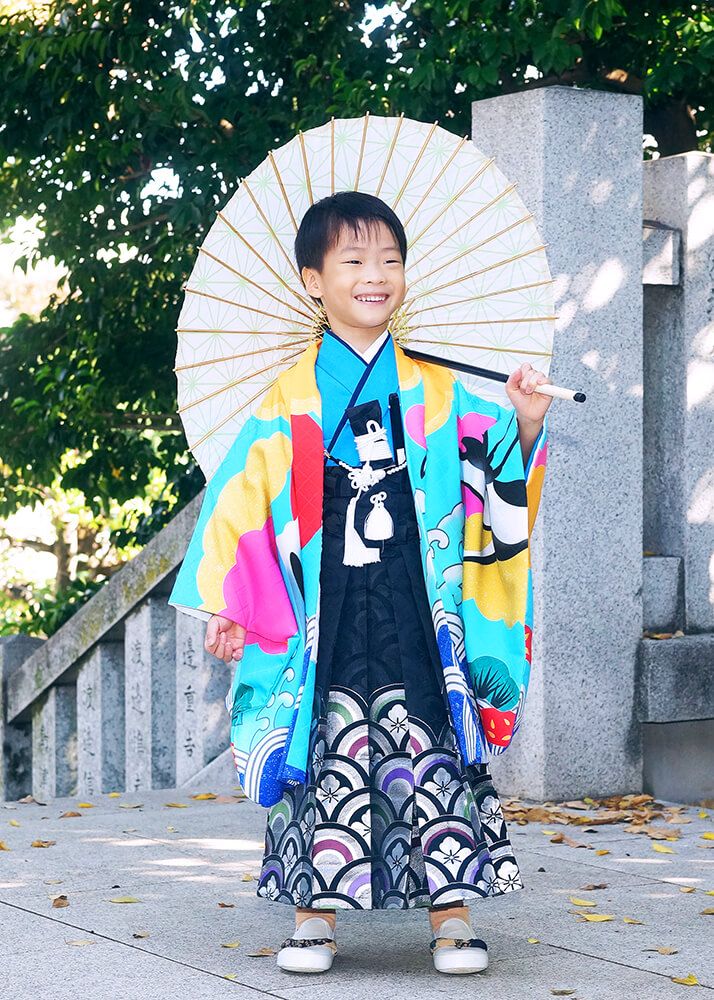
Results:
[483, 347]
[332, 155]
[486, 295]
[400, 119]
[434, 182]
[246, 333]
[235, 382]
[482, 169]
[282, 189]
[276, 238]
[486, 322]
[361, 151]
[240, 305]
[483, 270]
[263, 261]
[414, 166]
[473, 249]
[234, 357]
[467, 222]
[305, 167]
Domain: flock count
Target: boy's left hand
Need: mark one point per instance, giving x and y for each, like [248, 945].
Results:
[530, 406]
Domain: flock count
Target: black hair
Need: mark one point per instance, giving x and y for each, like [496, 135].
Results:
[321, 225]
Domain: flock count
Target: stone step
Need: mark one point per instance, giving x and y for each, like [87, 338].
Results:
[676, 679]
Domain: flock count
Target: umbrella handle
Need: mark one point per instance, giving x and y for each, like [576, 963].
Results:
[547, 389]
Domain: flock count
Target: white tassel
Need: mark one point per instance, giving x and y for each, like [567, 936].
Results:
[378, 525]
[356, 552]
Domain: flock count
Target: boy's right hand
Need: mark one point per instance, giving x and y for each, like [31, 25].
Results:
[224, 638]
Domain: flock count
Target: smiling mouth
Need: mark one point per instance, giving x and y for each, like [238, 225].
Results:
[372, 299]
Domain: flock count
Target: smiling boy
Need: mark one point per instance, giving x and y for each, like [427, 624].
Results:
[414, 636]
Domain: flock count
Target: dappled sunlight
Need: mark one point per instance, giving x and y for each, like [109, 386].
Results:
[218, 844]
[609, 278]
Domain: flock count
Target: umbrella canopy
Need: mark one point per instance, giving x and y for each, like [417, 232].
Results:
[479, 291]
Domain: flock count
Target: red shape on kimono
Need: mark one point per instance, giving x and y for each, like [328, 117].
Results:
[529, 641]
[497, 724]
[307, 475]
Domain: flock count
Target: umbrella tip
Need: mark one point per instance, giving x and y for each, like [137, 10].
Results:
[579, 397]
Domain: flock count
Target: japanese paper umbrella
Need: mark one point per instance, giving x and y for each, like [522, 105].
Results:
[479, 293]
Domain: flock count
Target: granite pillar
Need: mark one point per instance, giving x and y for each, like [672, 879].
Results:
[576, 156]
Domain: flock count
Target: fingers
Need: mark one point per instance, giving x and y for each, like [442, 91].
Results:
[224, 638]
[526, 378]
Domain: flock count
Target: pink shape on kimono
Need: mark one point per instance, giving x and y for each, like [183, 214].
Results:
[255, 593]
[414, 422]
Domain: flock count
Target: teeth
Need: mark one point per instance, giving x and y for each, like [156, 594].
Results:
[371, 298]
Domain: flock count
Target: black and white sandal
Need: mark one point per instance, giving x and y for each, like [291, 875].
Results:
[312, 948]
[455, 949]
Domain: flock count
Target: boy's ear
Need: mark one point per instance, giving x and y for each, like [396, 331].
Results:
[308, 279]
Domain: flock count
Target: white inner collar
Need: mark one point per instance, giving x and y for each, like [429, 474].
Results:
[374, 346]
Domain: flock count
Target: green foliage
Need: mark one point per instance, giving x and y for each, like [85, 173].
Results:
[96, 97]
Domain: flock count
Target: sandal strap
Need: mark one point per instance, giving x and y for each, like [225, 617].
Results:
[440, 942]
[308, 943]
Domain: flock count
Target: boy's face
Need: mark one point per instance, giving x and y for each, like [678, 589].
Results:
[362, 280]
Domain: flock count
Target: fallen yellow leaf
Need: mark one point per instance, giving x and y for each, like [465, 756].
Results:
[690, 980]
[601, 852]
[533, 940]
[231, 944]
[595, 917]
[703, 815]
[14, 822]
[231, 975]
[113, 795]
[580, 902]
[247, 878]
[709, 892]
[69, 815]
[261, 953]
[687, 888]
[708, 912]
[3, 846]
[140, 934]
[80, 942]
[176, 805]
[85, 805]
[203, 796]
[43, 843]
[662, 849]
[53, 881]
[708, 835]
[629, 920]
[548, 832]
[131, 805]
[125, 899]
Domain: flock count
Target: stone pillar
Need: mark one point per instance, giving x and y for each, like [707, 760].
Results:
[54, 742]
[150, 696]
[679, 344]
[16, 736]
[100, 720]
[202, 681]
[576, 156]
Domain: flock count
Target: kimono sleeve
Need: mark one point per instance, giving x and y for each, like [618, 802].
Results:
[231, 566]
[502, 496]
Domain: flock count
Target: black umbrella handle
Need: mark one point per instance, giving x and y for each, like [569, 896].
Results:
[547, 389]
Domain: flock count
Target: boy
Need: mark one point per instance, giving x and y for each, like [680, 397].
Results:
[387, 801]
